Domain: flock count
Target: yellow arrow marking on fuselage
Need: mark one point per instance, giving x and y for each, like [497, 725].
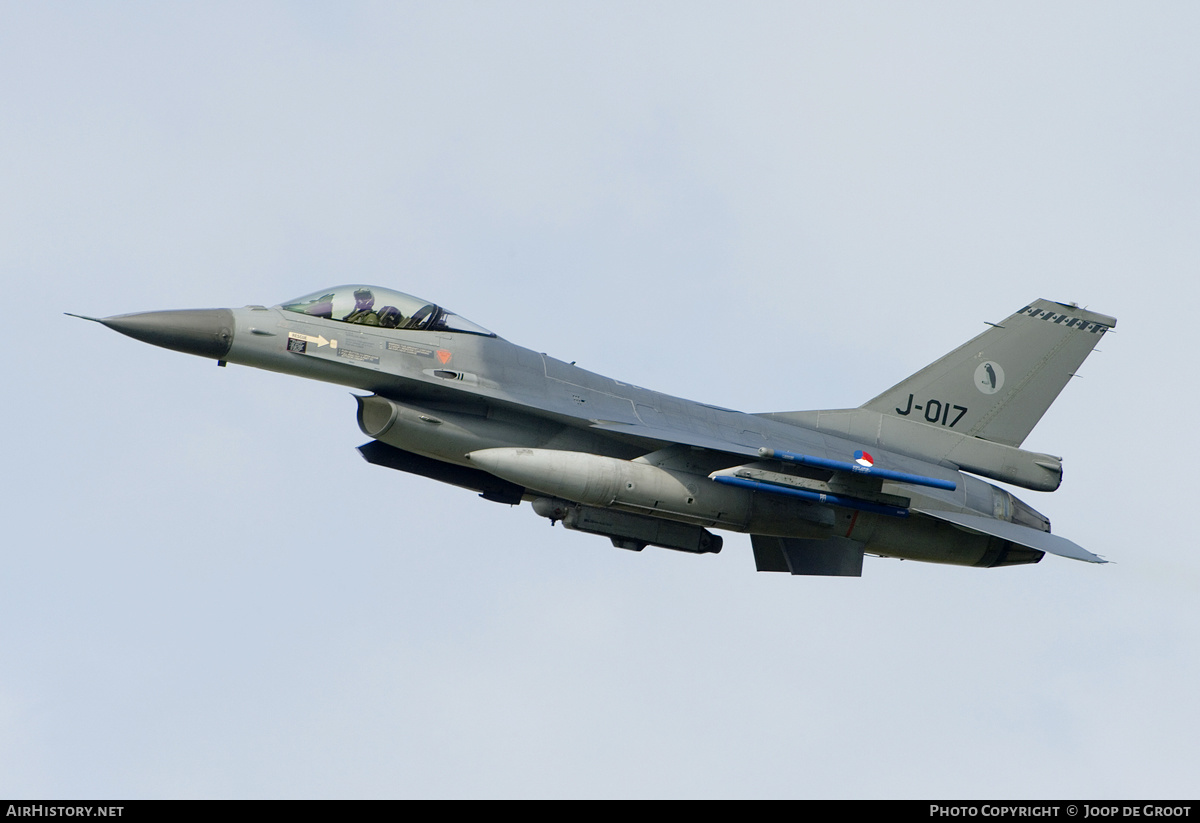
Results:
[319, 339]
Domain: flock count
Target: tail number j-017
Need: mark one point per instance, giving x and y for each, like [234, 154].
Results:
[936, 411]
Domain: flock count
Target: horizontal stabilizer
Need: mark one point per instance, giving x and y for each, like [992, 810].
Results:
[1022, 535]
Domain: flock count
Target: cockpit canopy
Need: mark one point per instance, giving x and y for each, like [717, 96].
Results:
[384, 308]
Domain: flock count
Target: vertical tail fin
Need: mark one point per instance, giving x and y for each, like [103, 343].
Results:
[997, 386]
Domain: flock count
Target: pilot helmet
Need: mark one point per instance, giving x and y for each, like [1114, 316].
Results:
[390, 317]
[363, 299]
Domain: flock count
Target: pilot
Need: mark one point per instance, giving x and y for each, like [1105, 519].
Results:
[390, 317]
[363, 312]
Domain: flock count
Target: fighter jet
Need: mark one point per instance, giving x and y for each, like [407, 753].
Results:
[899, 476]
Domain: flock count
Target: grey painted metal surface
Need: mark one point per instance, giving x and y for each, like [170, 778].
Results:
[817, 490]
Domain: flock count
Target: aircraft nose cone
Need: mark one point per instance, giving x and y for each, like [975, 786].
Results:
[205, 332]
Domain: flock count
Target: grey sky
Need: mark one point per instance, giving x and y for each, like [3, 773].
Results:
[766, 206]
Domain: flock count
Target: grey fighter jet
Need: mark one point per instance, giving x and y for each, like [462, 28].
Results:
[898, 476]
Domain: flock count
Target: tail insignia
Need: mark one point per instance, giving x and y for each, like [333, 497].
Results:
[989, 377]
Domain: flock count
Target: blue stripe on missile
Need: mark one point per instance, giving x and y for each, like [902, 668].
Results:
[815, 497]
[840, 466]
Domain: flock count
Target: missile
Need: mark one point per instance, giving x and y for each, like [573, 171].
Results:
[862, 471]
[843, 500]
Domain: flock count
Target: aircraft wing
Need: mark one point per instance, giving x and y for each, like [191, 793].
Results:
[814, 454]
[666, 437]
[1016, 533]
[1023, 535]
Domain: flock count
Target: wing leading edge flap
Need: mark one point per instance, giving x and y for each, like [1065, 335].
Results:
[832, 557]
[1023, 535]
